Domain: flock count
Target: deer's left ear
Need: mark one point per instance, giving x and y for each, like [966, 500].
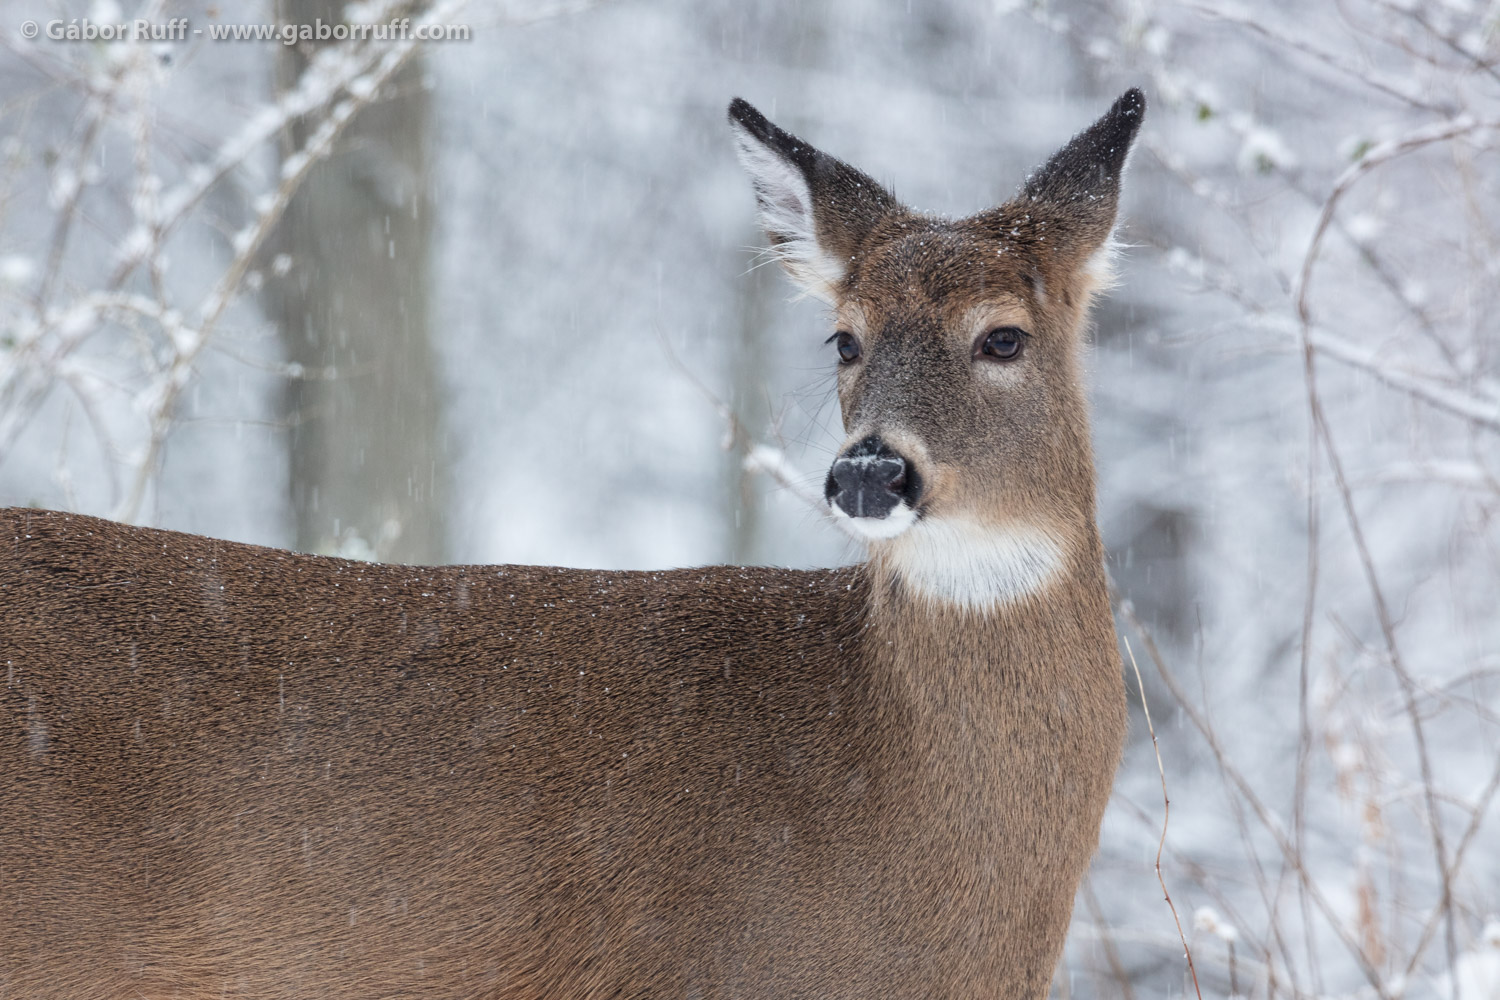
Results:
[1066, 209]
[815, 209]
[1085, 174]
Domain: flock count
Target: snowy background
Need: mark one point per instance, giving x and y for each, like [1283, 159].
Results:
[476, 301]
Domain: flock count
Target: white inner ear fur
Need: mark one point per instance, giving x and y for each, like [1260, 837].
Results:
[976, 566]
[786, 214]
[1100, 267]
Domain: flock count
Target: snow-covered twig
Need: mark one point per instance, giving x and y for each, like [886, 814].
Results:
[1398, 87]
[759, 457]
[36, 351]
[1377, 156]
[1427, 386]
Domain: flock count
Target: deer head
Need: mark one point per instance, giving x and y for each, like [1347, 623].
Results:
[967, 462]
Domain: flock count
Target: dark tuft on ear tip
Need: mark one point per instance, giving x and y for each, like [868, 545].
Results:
[1132, 102]
[766, 132]
[1123, 121]
[742, 112]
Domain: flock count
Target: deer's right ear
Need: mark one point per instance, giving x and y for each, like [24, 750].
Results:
[815, 209]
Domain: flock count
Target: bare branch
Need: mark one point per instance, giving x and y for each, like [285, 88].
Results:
[1166, 816]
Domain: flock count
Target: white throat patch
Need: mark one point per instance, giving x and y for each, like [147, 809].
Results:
[972, 565]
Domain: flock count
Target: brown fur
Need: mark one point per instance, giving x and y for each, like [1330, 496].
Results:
[235, 771]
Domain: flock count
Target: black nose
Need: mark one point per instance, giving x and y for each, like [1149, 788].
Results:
[870, 479]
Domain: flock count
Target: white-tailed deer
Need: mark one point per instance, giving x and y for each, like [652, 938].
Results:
[229, 771]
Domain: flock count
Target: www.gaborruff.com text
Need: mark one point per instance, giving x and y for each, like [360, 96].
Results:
[178, 29]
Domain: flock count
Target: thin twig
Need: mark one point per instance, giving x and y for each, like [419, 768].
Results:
[758, 457]
[1247, 792]
[1107, 942]
[1382, 154]
[1400, 88]
[1166, 815]
[248, 243]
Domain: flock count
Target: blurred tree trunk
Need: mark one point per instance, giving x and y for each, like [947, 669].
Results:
[748, 398]
[350, 295]
[802, 34]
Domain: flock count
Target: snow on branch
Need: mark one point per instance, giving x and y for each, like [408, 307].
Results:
[168, 322]
[1331, 181]
[1426, 386]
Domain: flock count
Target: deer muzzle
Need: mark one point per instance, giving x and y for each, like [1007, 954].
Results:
[869, 480]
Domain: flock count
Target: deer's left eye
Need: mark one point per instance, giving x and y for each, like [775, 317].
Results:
[1001, 344]
[847, 345]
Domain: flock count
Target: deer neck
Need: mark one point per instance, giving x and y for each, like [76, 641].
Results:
[996, 637]
[1009, 713]
[1005, 722]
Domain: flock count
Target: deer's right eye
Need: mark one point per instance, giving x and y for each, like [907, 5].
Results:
[1001, 344]
[848, 346]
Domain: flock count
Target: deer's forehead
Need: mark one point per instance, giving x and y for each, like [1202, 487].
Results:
[936, 269]
[937, 284]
